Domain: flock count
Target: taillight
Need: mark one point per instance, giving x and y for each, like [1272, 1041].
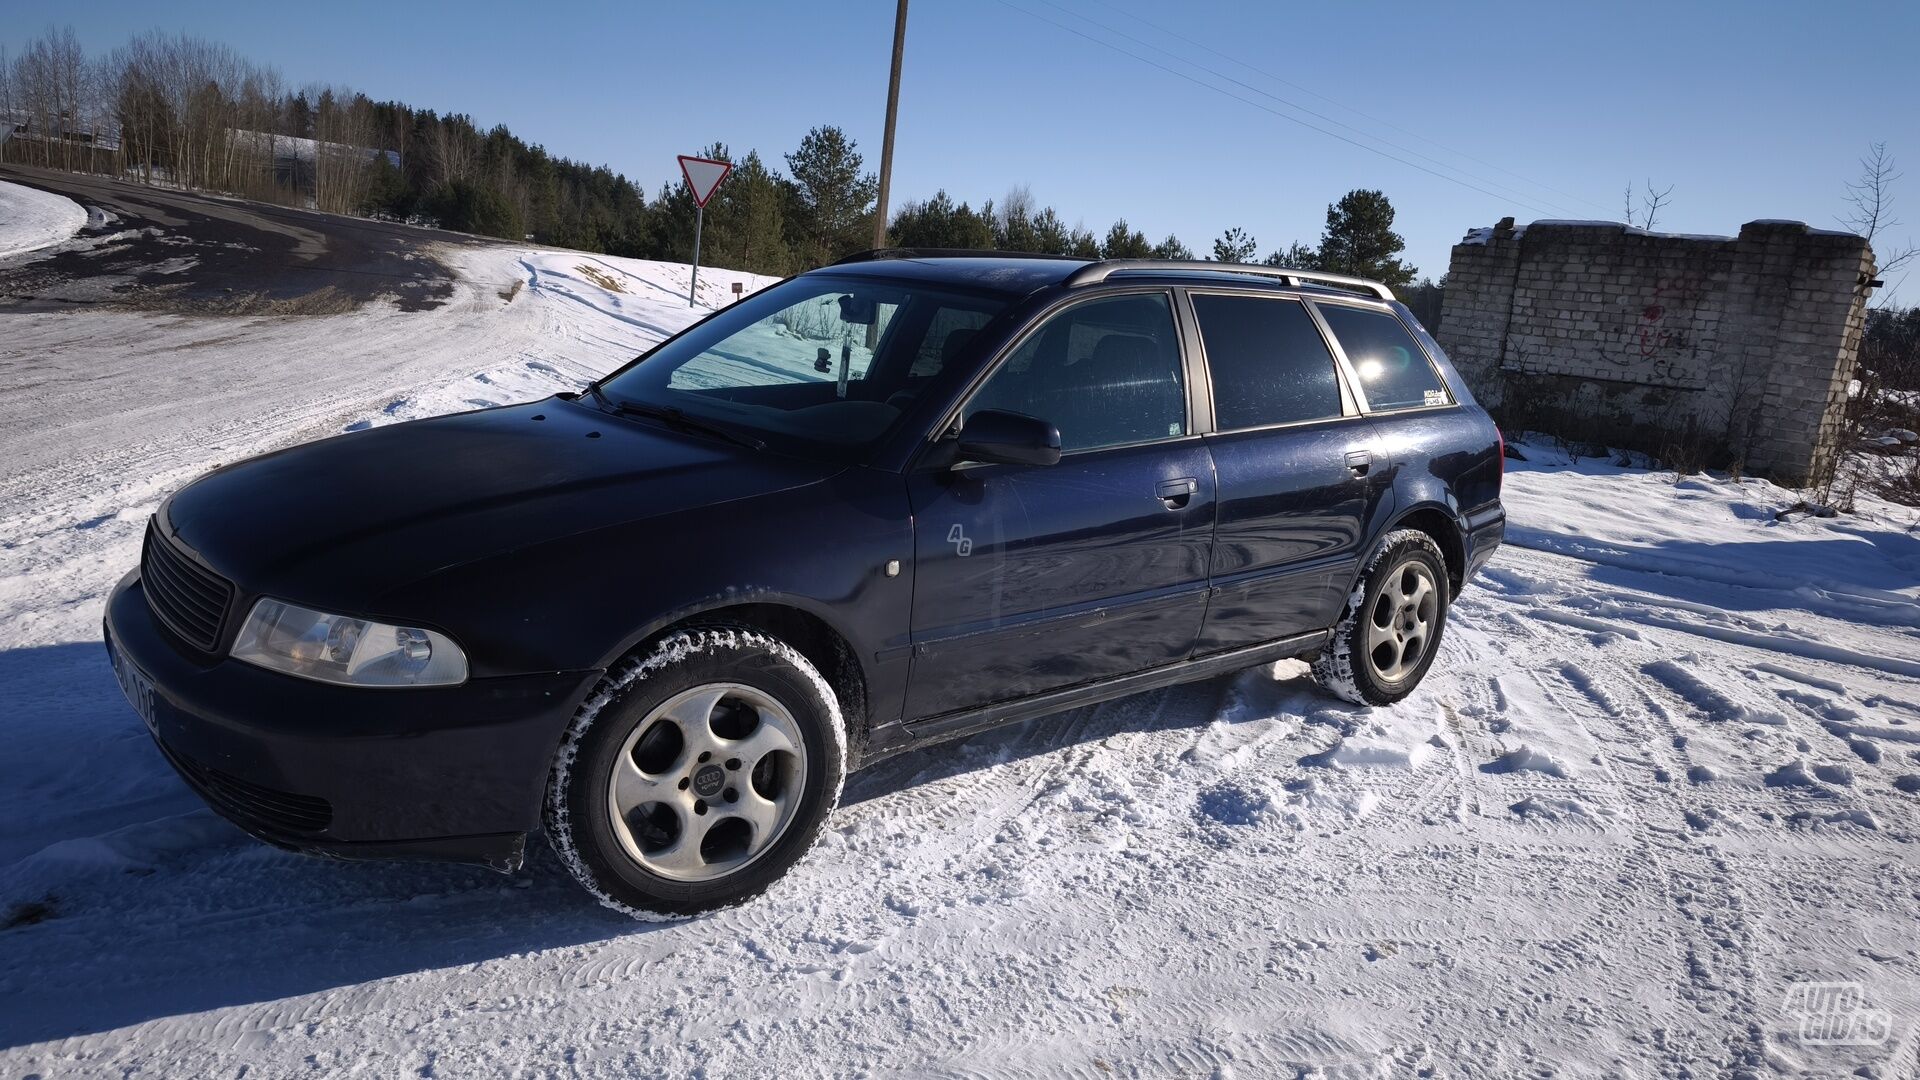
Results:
[1500, 439]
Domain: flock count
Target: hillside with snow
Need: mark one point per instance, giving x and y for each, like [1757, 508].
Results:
[31, 220]
[1666, 769]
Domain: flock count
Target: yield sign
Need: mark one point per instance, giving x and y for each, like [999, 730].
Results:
[703, 175]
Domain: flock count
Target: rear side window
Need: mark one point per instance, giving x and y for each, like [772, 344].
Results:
[1105, 372]
[1394, 372]
[1268, 361]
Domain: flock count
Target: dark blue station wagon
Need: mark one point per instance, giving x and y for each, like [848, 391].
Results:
[871, 508]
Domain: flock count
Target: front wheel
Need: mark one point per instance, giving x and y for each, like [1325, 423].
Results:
[1390, 633]
[698, 774]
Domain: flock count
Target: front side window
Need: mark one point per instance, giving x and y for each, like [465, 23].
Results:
[818, 363]
[1105, 372]
[1268, 361]
[1394, 372]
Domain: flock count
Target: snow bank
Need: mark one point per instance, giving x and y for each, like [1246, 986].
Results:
[31, 219]
[1719, 530]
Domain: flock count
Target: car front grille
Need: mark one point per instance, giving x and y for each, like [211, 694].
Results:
[253, 806]
[188, 598]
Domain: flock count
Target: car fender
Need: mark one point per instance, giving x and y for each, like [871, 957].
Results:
[586, 600]
[1441, 503]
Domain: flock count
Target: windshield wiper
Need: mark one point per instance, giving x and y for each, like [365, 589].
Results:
[675, 417]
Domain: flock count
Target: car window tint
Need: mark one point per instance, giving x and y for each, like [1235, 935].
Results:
[1268, 361]
[1393, 371]
[1106, 373]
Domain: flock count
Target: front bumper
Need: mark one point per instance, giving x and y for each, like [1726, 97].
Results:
[441, 773]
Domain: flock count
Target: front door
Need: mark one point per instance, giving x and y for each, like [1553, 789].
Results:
[1033, 578]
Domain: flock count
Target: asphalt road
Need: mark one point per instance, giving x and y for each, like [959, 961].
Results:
[176, 325]
[158, 250]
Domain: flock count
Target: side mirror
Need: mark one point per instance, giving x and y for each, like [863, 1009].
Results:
[1008, 438]
[823, 361]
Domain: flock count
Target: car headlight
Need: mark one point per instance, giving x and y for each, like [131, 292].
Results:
[352, 652]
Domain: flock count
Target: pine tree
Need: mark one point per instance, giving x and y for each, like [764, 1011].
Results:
[670, 223]
[1298, 256]
[835, 197]
[1360, 240]
[1234, 246]
[1125, 243]
[1172, 248]
[1013, 225]
[746, 219]
[938, 223]
[1050, 234]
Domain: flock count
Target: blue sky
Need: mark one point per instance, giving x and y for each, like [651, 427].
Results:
[1752, 110]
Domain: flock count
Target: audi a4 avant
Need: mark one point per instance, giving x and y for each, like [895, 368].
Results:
[876, 506]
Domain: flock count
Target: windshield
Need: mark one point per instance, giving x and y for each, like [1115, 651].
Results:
[819, 364]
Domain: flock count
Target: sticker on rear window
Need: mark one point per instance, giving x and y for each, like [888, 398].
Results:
[1436, 397]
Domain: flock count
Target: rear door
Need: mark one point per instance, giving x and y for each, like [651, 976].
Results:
[1032, 578]
[1300, 470]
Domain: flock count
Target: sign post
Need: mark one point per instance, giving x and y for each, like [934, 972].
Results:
[703, 176]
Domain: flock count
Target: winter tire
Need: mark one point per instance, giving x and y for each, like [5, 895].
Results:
[1390, 632]
[697, 774]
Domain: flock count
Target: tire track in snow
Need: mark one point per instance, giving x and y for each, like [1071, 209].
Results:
[1705, 940]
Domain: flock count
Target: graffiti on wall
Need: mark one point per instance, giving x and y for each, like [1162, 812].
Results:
[1659, 333]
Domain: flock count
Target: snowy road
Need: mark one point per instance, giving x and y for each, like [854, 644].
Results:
[1667, 768]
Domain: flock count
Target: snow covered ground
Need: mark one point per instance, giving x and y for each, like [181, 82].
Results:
[1667, 769]
[32, 219]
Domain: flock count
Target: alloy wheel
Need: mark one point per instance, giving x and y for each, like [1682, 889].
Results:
[707, 781]
[1400, 626]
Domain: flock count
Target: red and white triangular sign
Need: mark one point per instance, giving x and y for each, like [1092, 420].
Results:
[703, 175]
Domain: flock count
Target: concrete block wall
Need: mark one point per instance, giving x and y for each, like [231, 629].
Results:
[1743, 344]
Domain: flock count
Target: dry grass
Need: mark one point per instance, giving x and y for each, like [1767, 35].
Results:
[601, 278]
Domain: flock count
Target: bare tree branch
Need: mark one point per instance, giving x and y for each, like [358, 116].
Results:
[1650, 205]
[1871, 197]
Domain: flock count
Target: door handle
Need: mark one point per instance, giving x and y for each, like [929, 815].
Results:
[1359, 461]
[1177, 493]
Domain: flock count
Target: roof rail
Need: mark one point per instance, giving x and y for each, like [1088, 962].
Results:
[877, 254]
[1095, 273]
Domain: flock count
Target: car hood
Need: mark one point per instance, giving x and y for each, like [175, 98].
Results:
[348, 519]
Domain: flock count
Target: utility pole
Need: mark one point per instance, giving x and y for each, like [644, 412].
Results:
[893, 113]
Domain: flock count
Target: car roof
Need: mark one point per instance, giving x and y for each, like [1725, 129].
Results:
[1012, 274]
[1019, 274]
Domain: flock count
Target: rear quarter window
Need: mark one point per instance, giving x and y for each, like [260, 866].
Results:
[1394, 371]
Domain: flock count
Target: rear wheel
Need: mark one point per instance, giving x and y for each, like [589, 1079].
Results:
[1390, 633]
[698, 775]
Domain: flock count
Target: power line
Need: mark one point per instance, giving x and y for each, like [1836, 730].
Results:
[1343, 105]
[1149, 61]
[1507, 190]
[1501, 190]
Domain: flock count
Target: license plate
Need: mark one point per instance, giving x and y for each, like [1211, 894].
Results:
[135, 684]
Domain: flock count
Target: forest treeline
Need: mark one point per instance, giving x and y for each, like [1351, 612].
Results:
[184, 111]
